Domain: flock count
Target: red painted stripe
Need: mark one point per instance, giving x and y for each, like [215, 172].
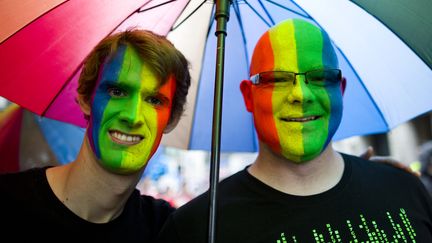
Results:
[259, 64]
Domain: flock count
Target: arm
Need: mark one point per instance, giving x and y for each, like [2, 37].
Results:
[369, 154]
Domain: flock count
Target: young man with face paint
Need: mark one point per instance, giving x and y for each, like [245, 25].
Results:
[299, 189]
[132, 89]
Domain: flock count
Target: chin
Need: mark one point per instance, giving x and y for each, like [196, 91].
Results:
[125, 171]
[116, 168]
[300, 158]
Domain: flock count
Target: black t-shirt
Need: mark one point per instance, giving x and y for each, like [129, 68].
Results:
[373, 202]
[30, 210]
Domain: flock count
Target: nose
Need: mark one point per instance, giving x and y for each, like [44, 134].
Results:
[299, 91]
[131, 114]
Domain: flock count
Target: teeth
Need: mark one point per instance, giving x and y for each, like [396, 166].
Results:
[126, 138]
[303, 119]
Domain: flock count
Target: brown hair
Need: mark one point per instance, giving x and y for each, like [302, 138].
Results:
[158, 52]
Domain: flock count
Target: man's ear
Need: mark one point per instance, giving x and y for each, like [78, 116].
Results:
[170, 126]
[246, 89]
[343, 85]
[85, 106]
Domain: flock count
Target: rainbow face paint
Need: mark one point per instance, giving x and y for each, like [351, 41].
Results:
[129, 112]
[296, 120]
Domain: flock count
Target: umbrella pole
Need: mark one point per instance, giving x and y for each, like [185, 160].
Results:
[221, 17]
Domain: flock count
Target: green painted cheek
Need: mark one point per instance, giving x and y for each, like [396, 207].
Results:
[302, 142]
[314, 144]
[117, 157]
[135, 157]
[111, 159]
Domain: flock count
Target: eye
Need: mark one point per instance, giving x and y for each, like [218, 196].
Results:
[116, 92]
[316, 76]
[324, 77]
[154, 100]
[280, 79]
[276, 77]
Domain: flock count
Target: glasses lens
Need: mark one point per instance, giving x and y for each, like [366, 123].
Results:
[275, 77]
[323, 76]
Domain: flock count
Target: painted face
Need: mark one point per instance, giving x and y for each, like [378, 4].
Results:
[129, 112]
[295, 119]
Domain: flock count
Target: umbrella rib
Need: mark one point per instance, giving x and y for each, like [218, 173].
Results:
[61, 90]
[189, 15]
[266, 11]
[288, 9]
[396, 33]
[201, 74]
[364, 87]
[346, 59]
[424, 59]
[150, 8]
[32, 21]
[80, 66]
[238, 16]
[211, 22]
[138, 11]
[258, 14]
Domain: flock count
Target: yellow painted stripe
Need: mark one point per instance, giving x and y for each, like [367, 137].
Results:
[286, 59]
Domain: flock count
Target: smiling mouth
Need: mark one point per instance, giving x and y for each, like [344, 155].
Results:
[301, 119]
[125, 139]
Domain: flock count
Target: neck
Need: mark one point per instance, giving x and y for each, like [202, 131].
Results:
[307, 178]
[89, 190]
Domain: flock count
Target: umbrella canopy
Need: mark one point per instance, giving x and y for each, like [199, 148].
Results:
[386, 60]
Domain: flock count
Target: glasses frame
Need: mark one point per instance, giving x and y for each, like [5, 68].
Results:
[255, 78]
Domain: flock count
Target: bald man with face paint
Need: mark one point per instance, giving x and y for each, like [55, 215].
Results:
[299, 189]
[132, 89]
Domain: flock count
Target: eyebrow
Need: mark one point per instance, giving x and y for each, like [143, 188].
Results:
[121, 84]
[126, 85]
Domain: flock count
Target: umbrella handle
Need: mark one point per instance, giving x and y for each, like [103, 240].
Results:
[221, 17]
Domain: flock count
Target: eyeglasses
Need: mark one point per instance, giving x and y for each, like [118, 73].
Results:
[319, 77]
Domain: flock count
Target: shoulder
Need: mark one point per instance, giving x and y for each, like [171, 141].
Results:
[18, 189]
[379, 173]
[22, 174]
[156, 205]
[199, 206]
[188, 223]
[373, 166]
[22, 180]
[150, 211]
